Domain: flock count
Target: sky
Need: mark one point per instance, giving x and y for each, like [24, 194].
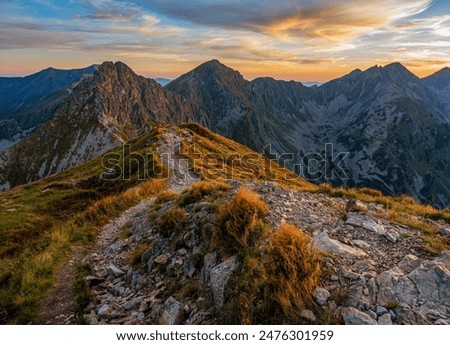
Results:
[305, 40]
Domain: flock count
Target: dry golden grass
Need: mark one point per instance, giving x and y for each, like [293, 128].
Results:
[396, 205]
[202, 189]
[242, 218]
[171, 221]
[166, 196]
[370, 192]
[293, 268]
[277, 283]
[214, 188]
[215, 157]
[112, 204]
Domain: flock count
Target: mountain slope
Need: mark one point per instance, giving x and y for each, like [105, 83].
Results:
[394, 131]
[439, 82]
[222, 93]
[27, 102]
[112, 107]
[190, 248]
[383, 128]
[392, 126]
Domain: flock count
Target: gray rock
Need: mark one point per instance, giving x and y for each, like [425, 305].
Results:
[104, 310]
[91, 318]
[113, 271]
[390, 237]
[321, 295]
[162, 259]
[409, 263]
[387, 282]
[182, 251]
[209, 261]
[171, 313]
[220, 276]
[189, 268]
[133, 304]
[424, 292]
[323, 243]
[350, 275]
[356, 206]
[445, 231]
[392, 315]
[118, 290]
[372, 314]
[308, 315]
[93, 281]
[442, 322]
[137, 280]
[364, 265]
[353, 316]
[366, 222]
[381, 310]
[385, 319]
[361, 243]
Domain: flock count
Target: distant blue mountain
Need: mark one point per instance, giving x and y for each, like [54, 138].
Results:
[27, 102]
[163, 81]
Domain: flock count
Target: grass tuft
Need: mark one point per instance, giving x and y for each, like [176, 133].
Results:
[171, 221]
[277, 282]
[241, 219]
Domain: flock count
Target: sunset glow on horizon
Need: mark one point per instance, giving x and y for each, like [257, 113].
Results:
[305, 40]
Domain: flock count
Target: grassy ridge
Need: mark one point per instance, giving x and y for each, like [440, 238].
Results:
[40, 222]
[214, 157]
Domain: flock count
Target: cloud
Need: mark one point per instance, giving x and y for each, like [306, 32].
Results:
[320, 19]
[313, 39]
[109, 10]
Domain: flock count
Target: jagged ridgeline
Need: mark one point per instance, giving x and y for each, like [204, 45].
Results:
[200, 229]
[393, 125]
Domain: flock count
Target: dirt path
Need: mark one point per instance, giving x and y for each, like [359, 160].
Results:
[58, 307]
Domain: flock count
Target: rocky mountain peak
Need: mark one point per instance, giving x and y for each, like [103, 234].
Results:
[439, 79]
[216, 67]
[394, 71]
[211, 73]
[114, 106]
[118, 68]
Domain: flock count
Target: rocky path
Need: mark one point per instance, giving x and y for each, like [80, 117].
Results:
[58, 307]
[169, 150]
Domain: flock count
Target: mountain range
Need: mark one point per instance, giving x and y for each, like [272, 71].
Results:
[27, 102]
[385, 128]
